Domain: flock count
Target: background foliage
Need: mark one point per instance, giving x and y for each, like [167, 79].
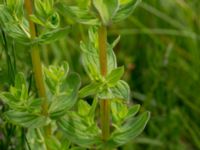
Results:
[160, 49]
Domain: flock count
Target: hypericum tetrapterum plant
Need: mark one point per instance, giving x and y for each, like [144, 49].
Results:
[54, 107]
[118, 123]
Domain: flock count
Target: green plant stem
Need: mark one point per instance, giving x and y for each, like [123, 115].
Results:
[104, 104]
[37, 68]
[37, 65]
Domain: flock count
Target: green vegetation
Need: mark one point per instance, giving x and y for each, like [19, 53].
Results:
[158, 48]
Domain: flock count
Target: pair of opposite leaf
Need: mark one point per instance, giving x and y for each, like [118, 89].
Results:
[99, 11]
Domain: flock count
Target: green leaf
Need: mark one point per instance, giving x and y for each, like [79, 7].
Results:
[20, 90]
[120, 91]
[105, 93]
[133, 111]
[17, 29]
[106, 9]
[102, 10]
[119, 111]
[126, 9]
[90, 62]
[18, 33]
[35, 139]
[112, 6]
[44, 7]
[36, 20]
[112, 62]
[116, 41]
[93, 109]
[34, 105]
[55, 76]
[65, 100]
[40, 7]
[26, 119]
[130, 130]
[16, 7]
[80, 15]
[17, 97]
[10, 100]
[52, 35]
[53, 21]
[114, 76]
[20, 81]
[83, 108]
[79, 133]
[45, 14]
[91, 89]
[90, 57]
[123, 111]
[53, 143]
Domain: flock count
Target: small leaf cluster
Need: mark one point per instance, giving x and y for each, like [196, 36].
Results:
[100, 11]
[24, 107]
[45, 14]
[62, 89]
[14, 22]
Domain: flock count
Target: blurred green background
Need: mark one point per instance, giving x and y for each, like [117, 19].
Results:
[160, 49]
